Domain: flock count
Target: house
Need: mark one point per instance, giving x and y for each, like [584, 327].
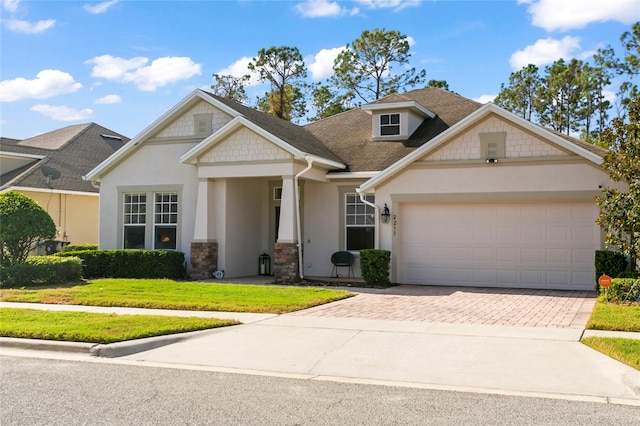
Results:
[49, 169]
[474, 194]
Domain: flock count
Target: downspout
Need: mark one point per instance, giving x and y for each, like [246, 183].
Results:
[377, 215]
[299, 232]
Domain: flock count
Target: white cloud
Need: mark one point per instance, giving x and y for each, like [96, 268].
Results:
[239, 68]
[109, 99]
[319, 9]
[483, 99]
[396, 5]
[100, 7]
[62, 113]
[545, 51]
[26, 27]
[10, 5]
[563, 15]
[411, 41]
[160, 72]
[48, 83]
[321, 66]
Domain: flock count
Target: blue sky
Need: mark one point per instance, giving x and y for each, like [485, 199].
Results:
[124, 63]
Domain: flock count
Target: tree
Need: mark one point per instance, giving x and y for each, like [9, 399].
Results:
[520, 97]
[230, 87]
[24, 223]
[440, 84]
[630, 67]
[620, 211]
[367, 66]
[327, 103]
[283, 68]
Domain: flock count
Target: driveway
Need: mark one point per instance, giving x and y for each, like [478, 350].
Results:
[464, 305]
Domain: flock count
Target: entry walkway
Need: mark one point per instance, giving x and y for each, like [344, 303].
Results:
[465, 305]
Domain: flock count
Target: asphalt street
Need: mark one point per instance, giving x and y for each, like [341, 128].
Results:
[39, 391]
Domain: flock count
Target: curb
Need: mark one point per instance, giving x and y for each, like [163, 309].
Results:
[110, 350]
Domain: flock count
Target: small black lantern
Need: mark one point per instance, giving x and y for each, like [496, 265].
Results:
[264, 264]
[386, 214]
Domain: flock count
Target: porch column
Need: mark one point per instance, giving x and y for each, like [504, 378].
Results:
[286, 248]
[204, 246]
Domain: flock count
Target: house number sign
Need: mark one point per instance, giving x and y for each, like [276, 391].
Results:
[394, 225]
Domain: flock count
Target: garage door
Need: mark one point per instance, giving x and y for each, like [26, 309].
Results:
[526, 245]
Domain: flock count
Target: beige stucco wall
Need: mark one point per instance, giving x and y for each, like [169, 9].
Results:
[75, 216]
[153, 167]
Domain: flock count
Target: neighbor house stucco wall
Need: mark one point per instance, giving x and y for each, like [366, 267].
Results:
[76, 216]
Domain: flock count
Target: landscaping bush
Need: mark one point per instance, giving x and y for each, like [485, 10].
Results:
[41, 270]
[130, 263]
[374, 265]
[609, 263]
[620, 289]
[80, 247]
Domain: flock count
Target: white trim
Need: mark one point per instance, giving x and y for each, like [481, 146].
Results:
[352, 175]
[46, 190]
[468, 121]
[96, 174]
[21, 155]
[410, 105]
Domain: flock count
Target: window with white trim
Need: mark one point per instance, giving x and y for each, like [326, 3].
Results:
[360, 225]
[162, 216]
[134, 220]
[389, 124]
[165, 220]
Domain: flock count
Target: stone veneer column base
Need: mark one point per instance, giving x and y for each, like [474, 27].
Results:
[204, 259]
[285, 263]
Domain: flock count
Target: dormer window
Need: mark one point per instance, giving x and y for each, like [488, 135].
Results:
[389, 124]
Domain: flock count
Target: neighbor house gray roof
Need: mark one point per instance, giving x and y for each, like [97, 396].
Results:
[349, 134]
[291, 133]
[73, 151]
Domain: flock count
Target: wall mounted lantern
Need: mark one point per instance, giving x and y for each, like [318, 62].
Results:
[386, 214]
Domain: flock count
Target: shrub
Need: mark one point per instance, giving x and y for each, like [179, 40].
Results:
[80, 247]
[130, 263]
[42, 270]
[374, 265]
[24, 223]
[609, 263]
[620, 290]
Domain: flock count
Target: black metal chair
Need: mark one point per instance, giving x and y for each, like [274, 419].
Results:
[342, 259]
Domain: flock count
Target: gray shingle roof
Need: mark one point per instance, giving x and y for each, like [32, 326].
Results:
[291, 133]
[73, 151]
[349, 136]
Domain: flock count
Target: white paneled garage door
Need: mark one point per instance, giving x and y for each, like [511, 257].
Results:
[527, 245]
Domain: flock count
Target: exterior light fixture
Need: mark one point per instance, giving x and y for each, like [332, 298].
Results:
[386, 214]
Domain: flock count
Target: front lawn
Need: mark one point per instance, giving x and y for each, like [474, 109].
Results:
[169, 294]
[616, 317]
[96, 328]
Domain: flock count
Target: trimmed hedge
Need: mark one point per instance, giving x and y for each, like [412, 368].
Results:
[80, 247]
[40, 271]
[620, 289]
[129, 263]
[609, 263]
[374, 265]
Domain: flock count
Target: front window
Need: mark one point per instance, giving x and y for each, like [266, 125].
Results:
[150, 226]
[389, 124]
[135, 213]
[359, 222]
[165, 220]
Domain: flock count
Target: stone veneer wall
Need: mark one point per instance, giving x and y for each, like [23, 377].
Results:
[285, 262]
[204, 260]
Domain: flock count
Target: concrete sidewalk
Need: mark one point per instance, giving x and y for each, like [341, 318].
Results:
[546, 362]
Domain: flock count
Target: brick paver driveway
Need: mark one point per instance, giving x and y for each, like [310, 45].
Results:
[469, 305]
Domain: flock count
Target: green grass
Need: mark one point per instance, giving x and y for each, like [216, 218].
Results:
[615, 317]
[169, 294]
[626, 351]
[96, 328]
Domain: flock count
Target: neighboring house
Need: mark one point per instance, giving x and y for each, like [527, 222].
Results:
[49, 169]
[476, 195]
